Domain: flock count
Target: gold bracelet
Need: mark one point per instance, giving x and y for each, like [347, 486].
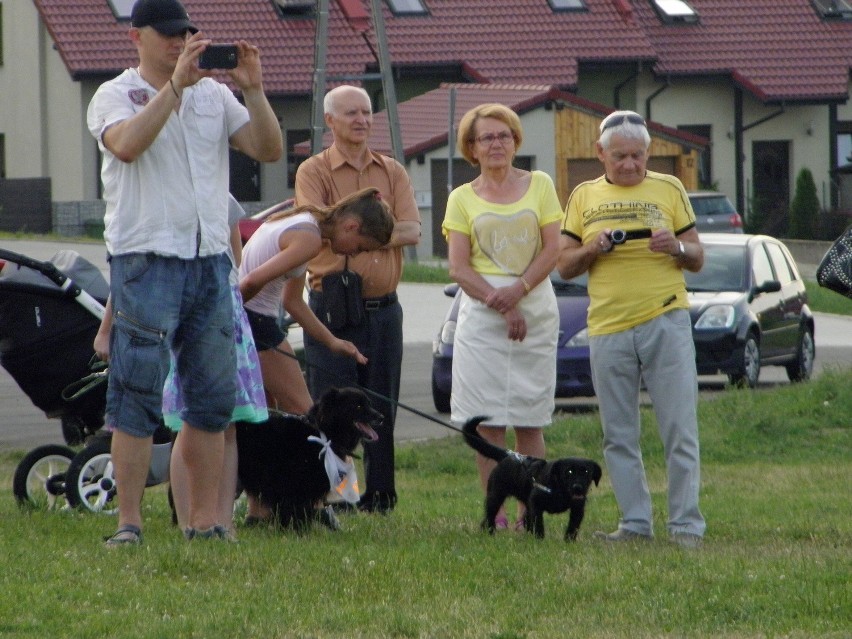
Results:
[527, 287]
[177, 95]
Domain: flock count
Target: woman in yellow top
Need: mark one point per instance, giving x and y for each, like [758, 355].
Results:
[503, 234]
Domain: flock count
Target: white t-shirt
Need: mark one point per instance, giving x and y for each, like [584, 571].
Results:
[263, 246]
[173, 199]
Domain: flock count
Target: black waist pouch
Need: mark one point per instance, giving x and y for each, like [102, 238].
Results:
[343, 304]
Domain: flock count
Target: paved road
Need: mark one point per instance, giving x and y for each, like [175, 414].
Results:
[22, 426]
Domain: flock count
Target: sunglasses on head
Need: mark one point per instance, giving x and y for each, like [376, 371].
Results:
[621, 119]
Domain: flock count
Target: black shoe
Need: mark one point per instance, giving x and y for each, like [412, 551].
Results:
[382, 503]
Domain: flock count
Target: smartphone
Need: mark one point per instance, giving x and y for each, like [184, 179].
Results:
[218, 56]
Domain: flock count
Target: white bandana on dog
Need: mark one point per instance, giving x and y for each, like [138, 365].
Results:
[342, 477]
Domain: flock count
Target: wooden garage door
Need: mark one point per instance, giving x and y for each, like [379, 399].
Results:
[581, 170]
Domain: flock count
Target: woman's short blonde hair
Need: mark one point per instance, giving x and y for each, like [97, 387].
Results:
[467, 127]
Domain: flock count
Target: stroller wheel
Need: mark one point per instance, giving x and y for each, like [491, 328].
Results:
[40, 476]
[90, 480]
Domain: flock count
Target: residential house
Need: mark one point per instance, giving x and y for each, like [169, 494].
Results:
[765, 81]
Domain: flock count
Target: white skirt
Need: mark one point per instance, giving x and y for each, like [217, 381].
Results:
[510, 382]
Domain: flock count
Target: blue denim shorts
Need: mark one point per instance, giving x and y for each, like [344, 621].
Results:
[265, 330]
[161, 304]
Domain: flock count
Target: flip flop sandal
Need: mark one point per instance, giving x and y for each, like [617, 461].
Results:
[501, 523]
[127, 534]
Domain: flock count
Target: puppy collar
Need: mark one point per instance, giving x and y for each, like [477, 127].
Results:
[541, 487]
[342, 478]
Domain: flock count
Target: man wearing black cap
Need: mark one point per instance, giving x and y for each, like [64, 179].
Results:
[165, 128]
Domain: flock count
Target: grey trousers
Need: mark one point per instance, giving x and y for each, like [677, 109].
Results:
[661, 353]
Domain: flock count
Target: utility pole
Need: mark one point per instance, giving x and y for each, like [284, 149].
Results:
[385, 74]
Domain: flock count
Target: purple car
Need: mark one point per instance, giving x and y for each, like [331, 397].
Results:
[573, 372]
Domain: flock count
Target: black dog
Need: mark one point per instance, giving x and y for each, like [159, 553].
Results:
[542, 486]
[281, 467]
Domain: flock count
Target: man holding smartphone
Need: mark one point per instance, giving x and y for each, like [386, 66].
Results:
[165, 128]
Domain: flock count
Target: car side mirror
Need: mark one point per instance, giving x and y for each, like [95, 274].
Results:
[769, 286]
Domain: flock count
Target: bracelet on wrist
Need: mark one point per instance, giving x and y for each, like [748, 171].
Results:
[527, 287]
[172, 84]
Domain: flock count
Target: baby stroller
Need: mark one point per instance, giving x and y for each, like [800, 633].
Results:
[49, 315]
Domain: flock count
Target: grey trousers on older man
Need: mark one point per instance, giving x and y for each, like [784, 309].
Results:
[661, 353]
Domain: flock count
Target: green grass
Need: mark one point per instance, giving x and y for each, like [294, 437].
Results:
[425, 273]
[824, 300]
[776, 561]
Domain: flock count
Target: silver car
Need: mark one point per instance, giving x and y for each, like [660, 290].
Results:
[714, 213]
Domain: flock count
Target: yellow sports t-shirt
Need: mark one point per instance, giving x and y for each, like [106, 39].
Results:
[630, 285]
[504, 238]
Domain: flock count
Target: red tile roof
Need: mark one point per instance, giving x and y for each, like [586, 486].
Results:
[92, 42]
[518, 41]
[778, 49]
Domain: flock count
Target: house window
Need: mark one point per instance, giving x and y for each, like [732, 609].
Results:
[407, 7]
[295, 8]
[121, 8]
[566, 5]
[674, 11]
[841, 9]
[844, 150]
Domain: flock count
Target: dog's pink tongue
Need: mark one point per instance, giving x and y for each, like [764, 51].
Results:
[369, 433]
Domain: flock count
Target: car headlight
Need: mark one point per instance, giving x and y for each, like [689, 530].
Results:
[580, 338]
[716, 317]
[448, 332]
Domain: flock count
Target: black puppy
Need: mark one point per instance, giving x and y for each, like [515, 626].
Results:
[542, 486]
[284, 469]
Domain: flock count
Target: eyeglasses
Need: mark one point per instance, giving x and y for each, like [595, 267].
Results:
[621, 119]
[488, 139]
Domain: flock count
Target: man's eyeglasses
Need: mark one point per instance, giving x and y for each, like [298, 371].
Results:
[488, 139]
[621, 119]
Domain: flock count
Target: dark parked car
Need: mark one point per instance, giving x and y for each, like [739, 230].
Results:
[573, 373]
[749, 309]
[714, 213]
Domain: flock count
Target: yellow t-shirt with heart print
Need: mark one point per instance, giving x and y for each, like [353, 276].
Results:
[504, 238]
[630, 285]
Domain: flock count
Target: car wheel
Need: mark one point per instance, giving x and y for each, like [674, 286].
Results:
[801, 369]
[750, 369]
[439, 397]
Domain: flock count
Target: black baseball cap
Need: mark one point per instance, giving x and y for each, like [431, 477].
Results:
[166, 16]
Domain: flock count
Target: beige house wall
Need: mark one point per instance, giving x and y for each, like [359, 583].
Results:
[705, 102]
[21, 115]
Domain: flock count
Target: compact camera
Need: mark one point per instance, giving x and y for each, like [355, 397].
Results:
[618, 236]
[218, 56]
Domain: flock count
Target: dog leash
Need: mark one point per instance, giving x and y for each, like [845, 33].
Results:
[373, 393]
